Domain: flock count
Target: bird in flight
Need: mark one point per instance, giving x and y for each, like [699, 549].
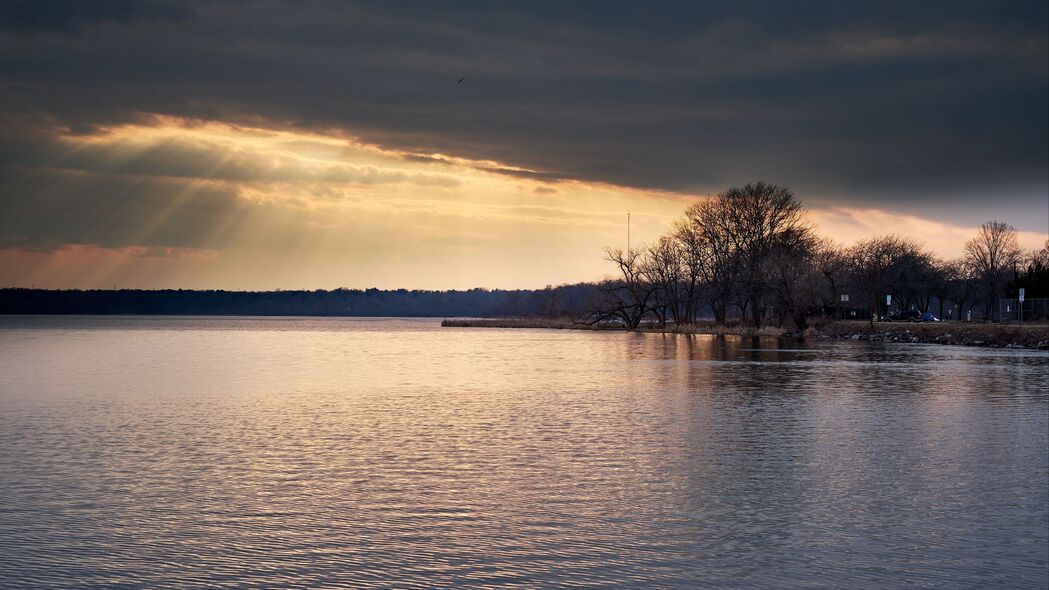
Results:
[461, 81]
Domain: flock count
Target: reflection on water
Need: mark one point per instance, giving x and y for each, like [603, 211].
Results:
[153, 452]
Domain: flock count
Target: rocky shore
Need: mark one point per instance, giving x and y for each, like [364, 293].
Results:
[950, 333]
[955, 333]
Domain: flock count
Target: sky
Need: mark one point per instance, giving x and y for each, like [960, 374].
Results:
[315, 144]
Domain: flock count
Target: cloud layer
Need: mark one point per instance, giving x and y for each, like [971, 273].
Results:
[934, 110]
[873, 99]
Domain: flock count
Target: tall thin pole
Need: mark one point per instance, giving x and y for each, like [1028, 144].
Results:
[628, 234]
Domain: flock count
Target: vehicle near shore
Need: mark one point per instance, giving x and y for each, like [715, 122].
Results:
[903, 315]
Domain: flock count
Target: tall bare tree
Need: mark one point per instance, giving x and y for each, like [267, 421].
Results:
[714, 256]
[661, 265]
[695, 266]
[744, 227]
[993, 254]
[763, 220]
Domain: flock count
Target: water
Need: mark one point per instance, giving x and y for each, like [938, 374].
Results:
[192, 452]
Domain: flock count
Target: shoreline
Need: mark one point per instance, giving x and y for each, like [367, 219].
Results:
[1033, 337]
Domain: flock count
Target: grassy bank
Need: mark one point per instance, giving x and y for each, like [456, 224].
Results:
[956, 333]
[568, 324]
[557, 324]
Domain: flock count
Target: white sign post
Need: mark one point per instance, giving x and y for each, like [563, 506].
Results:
[1021, 310]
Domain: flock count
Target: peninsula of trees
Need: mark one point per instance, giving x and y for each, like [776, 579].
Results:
[750, 254]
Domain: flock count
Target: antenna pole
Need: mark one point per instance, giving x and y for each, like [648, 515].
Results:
[628, 234]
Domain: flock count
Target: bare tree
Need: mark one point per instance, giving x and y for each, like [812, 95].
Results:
[1039, 258]
[961, 285]
[876, 265]
[741, 229]
[832, 262]
[1035, 276]
[695, 266]
[799, 287]
[940, 282]
[629, 297]
[763, 221]
[714, 256]
[915, 277]
[661, 265]
[992, 254]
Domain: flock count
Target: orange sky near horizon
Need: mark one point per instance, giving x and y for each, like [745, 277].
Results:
[309, 210]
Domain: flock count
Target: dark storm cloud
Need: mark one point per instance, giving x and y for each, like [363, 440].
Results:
[68, 16]
[882, 104]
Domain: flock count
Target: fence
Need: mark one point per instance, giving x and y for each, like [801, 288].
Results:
[1034, 310]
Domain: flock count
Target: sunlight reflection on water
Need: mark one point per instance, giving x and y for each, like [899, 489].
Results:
[174, 452]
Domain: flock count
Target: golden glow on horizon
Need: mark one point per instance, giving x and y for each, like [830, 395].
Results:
[310, 210]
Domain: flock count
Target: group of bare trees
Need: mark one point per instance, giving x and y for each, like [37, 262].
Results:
[751, 254]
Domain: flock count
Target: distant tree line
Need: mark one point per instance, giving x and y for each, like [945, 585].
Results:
[562, 301]
[751, 254]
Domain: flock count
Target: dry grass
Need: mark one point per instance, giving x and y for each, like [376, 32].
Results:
[568, 324]
[716, 329]
[559, 324]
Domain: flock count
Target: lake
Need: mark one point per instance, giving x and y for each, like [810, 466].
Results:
[141, 452]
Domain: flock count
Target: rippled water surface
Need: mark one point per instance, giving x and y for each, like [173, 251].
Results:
[191, 452]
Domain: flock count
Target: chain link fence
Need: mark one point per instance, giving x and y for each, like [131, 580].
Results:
[1033, 310]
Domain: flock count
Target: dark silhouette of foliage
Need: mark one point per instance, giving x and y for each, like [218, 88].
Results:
[561, 301]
